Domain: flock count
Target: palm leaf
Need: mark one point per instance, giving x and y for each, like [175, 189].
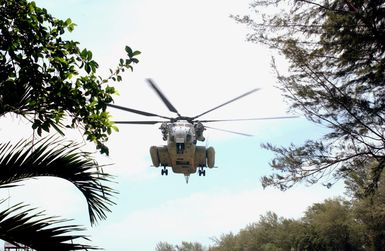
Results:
[51, 157]
[21, 225]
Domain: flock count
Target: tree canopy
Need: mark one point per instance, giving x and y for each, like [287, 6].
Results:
[54, 84]
[330, 225]
[352, 223]
[355, 222]
[50, 80]
[184, 246]
[335, 50]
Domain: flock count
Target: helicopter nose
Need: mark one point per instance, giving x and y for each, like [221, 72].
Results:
[180, 135]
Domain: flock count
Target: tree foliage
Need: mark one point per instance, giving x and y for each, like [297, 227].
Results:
[50, 158]
[335, 224]
[47, 79]
[35, 230]
[354, 223]
[369, 210]
[164, 246]
[54, 84]
[55, 158]
[184, 246]
[335, 51]
[190, 246]
[325, 226]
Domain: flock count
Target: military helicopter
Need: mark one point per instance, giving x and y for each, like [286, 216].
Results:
[182, 153]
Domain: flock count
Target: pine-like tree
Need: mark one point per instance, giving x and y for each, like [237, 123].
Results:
[336, 77]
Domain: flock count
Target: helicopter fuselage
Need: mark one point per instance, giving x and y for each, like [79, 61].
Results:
[181, 152]
[182, 133]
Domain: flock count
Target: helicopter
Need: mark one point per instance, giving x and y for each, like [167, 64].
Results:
[182, 133]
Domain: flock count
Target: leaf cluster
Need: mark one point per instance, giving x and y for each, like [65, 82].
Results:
[184, 246]
[38, 231]
[48, 79]
[353, 223]
[329, 225]
[50, 158]
[336, 55]
[54, 84]
[54, 158]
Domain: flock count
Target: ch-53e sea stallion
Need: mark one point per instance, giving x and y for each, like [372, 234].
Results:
[182, 153]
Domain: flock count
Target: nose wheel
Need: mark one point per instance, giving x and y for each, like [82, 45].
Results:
[164, 171]
[201, 171]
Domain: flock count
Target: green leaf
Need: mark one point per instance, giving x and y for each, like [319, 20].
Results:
[71, 27]
[129, 51]
[68, 21]
[55, 158]
[89, 55]
[136, 53]
[93, 65]
[32, 7]
[115, 128]
[87, 68]
[84, 54]
[24, 225]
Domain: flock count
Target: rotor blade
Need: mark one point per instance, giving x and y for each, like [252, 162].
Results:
[164, 99]
[228, 102]
[139, 122]
[244, 134]
[262, 118]
[137, 111]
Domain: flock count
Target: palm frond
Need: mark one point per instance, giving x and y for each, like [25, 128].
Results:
[53, 157]
[22, 225]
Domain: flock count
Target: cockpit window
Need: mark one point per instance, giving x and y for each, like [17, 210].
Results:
[179, 148]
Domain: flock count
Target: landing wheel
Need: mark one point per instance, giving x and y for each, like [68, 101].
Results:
[164, 171]
[202, 172]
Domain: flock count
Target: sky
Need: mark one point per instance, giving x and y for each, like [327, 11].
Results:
[199, 58]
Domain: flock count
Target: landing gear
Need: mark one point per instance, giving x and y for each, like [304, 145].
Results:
[201, 171]
[164, 171]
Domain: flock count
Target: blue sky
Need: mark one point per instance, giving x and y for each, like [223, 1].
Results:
[198, 56]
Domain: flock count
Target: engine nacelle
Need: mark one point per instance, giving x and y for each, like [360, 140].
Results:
[200, 156]
[204, 157]
[210, 155]
[160, 156]
[154, 156]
